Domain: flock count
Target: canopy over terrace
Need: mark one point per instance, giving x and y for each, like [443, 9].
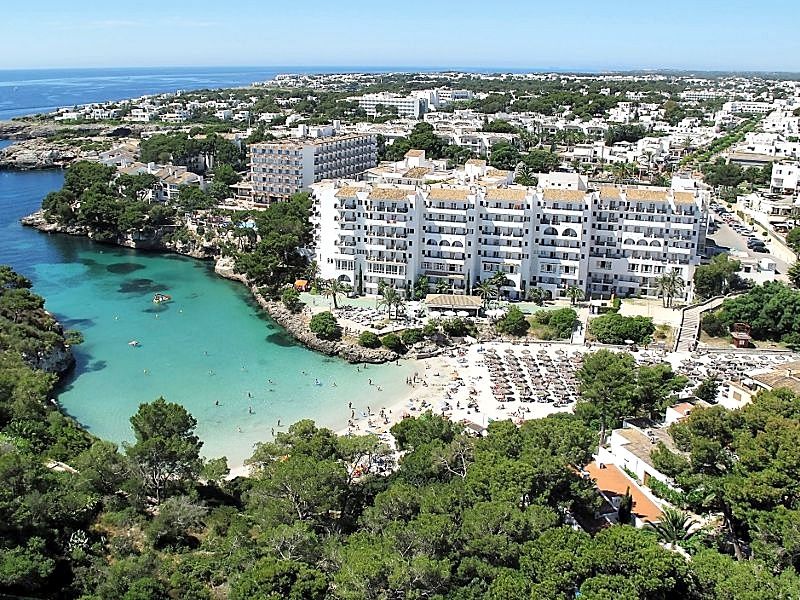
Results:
[444, 302]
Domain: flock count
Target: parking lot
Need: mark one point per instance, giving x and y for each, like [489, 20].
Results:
[727, 237]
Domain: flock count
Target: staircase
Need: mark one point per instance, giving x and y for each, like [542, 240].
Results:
[689, 330]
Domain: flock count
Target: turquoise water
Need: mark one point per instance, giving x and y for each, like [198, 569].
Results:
[209, 344]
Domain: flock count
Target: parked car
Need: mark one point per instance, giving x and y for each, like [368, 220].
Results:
[760, 249]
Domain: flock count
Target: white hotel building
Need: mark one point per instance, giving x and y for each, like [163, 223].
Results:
[606, 240]
[281, 168]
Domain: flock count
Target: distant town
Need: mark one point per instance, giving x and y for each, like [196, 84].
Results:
[601, 182]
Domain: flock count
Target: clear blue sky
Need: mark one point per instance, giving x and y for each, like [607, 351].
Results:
[567, 34]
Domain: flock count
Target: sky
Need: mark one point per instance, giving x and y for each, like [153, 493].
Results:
[563, 34]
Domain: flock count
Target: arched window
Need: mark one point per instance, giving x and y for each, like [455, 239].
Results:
[655, 243]
[641, 243]
[629, 241]
[458, 244]
[569, 233]
[345, 279]
[444, 243]
[550, 231]
[431, 243]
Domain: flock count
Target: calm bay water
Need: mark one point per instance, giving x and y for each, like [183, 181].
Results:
[211, 344]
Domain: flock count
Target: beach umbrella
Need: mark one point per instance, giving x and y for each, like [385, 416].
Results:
[449, 313]
[434, 313]
[462, 313]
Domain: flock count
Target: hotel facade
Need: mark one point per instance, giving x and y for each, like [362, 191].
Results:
[281, 168]
[605, 240]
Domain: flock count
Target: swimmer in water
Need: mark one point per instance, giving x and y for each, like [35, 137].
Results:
[216, 402]
[279, 422]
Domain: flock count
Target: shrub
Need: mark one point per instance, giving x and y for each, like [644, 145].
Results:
[291, 299]
[457, 327]
[613, 328]
[513, 323]
[412, 336]
[713, 325]
[367, 339]
[562, 321]
[430, 328]
[393, 342]
[325, 327]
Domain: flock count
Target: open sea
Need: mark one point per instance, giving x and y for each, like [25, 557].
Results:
[210, 344]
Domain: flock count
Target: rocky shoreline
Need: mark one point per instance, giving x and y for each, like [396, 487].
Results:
[296, 325]
[36, 149]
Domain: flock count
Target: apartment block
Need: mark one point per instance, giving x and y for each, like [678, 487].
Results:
[413, 106]
[606, 240]
[281, 168]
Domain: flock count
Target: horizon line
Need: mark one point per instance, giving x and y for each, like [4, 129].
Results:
[478, 69]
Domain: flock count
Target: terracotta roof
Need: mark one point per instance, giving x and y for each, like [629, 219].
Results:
[683, 408]
[348, 191]
[611, 481]
[417, 172]
[684, 198]
[780, 378]
[414, 153]
[609, 191]
[476, 162]
[497, 173]
[648, 195]
[453, 301]
[641, 446]
[566, 195]
[517, 194]
[388, 193]
[449, 193]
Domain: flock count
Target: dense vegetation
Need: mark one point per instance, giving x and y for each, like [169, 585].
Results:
[772, 311]
[613, 328]
[180, 149]
[326, 517]
[719, 276]
[107, 206]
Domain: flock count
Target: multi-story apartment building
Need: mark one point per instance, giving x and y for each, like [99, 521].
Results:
[606, 240]
[281, 168]
[784, 178]
[413, 106]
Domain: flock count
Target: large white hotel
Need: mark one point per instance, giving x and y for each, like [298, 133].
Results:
[408, 220]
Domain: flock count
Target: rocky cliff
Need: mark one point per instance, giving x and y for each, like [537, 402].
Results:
[38, 154]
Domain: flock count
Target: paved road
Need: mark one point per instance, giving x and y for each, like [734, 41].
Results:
[726, 237]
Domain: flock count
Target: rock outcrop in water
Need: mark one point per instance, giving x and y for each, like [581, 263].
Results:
[38, 154]
[296, 325]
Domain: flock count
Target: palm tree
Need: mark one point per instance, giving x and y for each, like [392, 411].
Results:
[442, 287]
[486, 291]
[390, 297]
[574, 293]
[524, 175]
[670, 285]
[674, 527]
[498, 280]
[333, 288]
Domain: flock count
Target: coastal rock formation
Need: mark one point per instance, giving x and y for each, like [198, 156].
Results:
[297, 327]
[58, 359]
[21, 129]
[38, 154]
